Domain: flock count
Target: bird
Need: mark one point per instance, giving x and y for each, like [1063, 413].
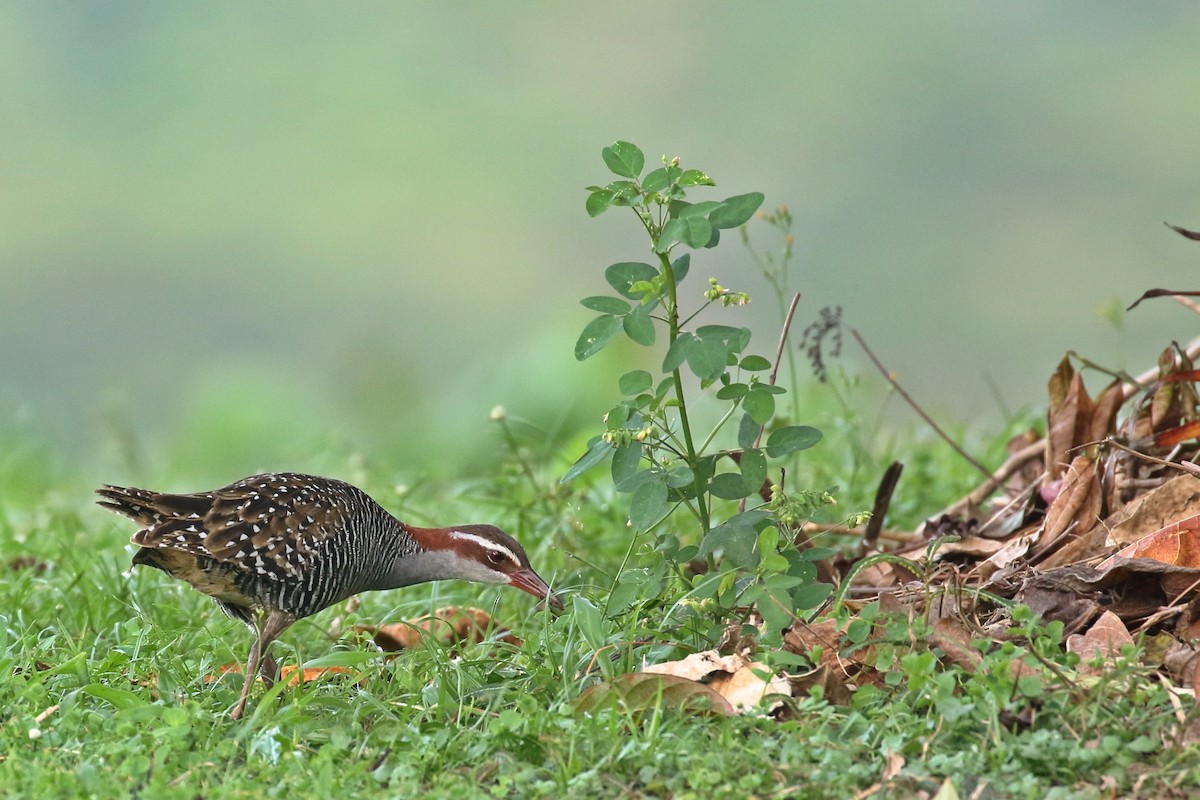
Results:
[274, 548]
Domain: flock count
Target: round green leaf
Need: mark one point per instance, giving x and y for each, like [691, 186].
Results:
[735, 542]
[639, 327]
[616, 418]
[755, 364]
[625, 461]
[694, 177]
[735, 339]
[596, 334]
[635, 382]
[597, 452]
[776, 609]
[599, 201]
[677, 353]
[754, 468]
[728, 486]
[692, 231]
[622, 275]
[810, 596]
[680, 267]
[759, 405]
[748, 431]
[707, 359]
[736, 210]
[679, 476]
[624, 159]
[681, 209]
[656, 180]
[733, 391]
[648, 504]
[625, 193]
[638, 479]
[605, 305]
[790, 439]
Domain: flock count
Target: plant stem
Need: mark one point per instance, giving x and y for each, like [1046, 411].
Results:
[673, 333]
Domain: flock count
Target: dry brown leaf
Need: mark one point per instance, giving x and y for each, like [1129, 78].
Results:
[1052, 601]
[1103, 640]
[976, 546]
[953, 639]
[1069, 419]
[1182, 663]
[1077, 505]
[640, 691]
[289, 672]
[449, 625]
[1179, 497]
[803, 637]
[1177, 544]
[1077, 549]
[698, 666]
[1173, 436]
[1167, 399]
[295, 676]
[830, 680]
[731, 676]
[1104, 412]
[1006, 556]
[894, 763]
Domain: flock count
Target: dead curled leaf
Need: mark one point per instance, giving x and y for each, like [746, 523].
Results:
[1176, 499]
[295, 676]
[449, 626]
[289, 672]
[1077, 506]
[1178, 544]
[640, 691]
[1103, 641]
[737, 680]
[705, 682]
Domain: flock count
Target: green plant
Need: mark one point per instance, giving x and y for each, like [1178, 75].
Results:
[658, 456]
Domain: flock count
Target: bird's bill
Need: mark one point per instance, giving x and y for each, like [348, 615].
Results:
[528, 581]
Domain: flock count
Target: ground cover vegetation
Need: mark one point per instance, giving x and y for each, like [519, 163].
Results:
[981, 652]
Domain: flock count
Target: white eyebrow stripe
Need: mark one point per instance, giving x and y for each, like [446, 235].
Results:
[486, 544]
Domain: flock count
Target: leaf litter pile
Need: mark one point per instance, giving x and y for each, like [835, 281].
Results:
[1095, 525]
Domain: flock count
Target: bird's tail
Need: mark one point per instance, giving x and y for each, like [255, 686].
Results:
[152, 508]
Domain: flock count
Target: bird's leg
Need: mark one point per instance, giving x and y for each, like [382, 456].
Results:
[268, 670]
[273, 624]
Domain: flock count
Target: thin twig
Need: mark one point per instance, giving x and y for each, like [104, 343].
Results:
[1186, 303]
[1185, 467]
[787, 324]
[783, 334]
[1009, 468]
[892, 535]
[913, 404]
[883, 499]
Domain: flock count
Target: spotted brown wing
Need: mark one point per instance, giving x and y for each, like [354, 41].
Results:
[271, 525]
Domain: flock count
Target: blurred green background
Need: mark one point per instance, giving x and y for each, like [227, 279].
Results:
[282, 227]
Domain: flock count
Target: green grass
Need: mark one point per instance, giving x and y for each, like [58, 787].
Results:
[125, 659]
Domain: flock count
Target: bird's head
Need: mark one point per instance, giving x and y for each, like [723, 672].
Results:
[479, 553]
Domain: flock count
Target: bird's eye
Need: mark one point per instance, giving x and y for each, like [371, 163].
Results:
[495, 556]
